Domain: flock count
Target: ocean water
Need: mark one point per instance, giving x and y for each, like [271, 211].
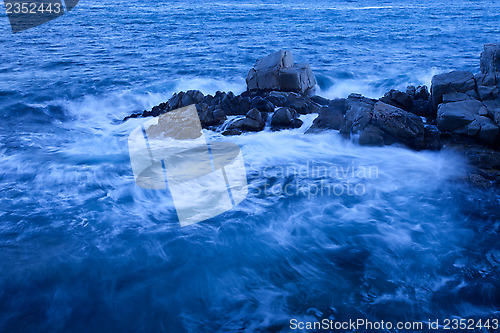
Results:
[399, 237]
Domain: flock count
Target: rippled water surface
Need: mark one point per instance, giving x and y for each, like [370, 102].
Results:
[83, 249]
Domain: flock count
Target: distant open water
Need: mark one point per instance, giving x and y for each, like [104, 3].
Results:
[83, 249]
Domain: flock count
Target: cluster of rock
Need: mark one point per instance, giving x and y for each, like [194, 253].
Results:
[282, 108]
[461, 110]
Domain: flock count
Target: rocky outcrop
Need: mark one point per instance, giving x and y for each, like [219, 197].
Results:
[278, 72]
[462, 110]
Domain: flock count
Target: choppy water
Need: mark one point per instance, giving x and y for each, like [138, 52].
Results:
[82, 248]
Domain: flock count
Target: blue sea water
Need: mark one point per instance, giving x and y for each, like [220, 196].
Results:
[83, 249]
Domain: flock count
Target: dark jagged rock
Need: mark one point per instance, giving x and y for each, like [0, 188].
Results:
[422, 108]
[330, 117]
[493, 109]
[422, 93]
[256, 115]
[229, 103]
[456, 97]
[490, 59]
[244, 105]
[278, 72]
[182, 99]
[132, 116]
[284, 118]
[456, 115]
[277, 98]
[358, 115]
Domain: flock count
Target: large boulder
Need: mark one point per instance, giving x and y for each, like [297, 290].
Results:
[490, 59]
[277, 71]
[468, 118]
[284, 118]
[451, 83]
[252, 122]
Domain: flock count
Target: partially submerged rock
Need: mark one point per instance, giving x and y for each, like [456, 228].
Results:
[285, 118]
[330, 117]
[378, 123]
[252, 122]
